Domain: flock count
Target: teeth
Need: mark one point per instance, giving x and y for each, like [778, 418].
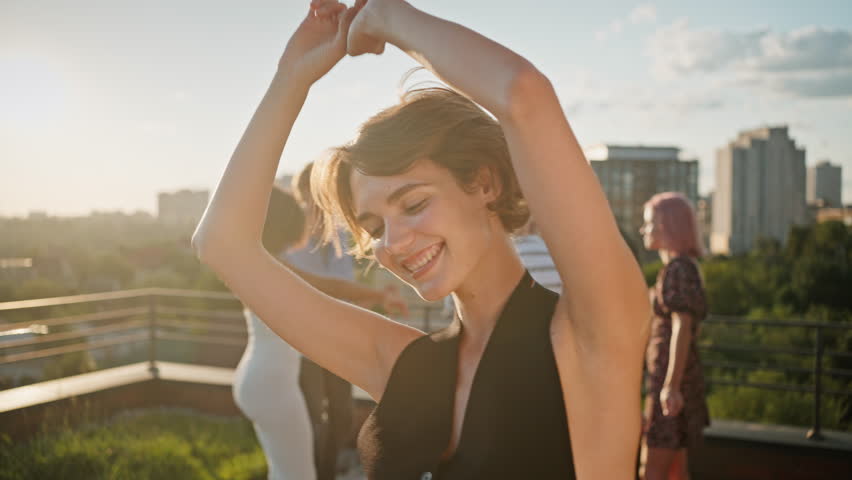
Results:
[429, 255]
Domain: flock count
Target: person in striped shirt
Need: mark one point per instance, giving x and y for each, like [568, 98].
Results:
[536, 258]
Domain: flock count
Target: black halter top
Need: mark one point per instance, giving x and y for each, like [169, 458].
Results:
[515, 425]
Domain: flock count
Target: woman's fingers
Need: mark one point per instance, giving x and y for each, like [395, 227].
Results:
[326, 9]
[360, 41]
[345, 20]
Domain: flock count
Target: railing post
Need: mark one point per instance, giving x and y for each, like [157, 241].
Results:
[152, 334]
[815, 432]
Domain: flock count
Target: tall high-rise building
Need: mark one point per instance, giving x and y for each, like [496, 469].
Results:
[631, 175]
[184, 207]
[760, 189]
[825, 184]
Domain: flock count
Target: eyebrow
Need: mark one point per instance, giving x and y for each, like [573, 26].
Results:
[393, 197]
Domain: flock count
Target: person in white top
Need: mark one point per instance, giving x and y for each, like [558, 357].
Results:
[266, 383]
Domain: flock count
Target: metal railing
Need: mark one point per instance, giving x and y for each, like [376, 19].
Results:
[772, 358]
[52, 327]
[151, 316]
[85, 323]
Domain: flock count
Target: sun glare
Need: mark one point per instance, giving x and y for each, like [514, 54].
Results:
[32, 92]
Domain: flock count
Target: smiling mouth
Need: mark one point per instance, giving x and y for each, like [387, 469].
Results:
[423, 260]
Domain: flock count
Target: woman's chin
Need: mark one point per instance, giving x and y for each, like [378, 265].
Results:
[431, 291]
[430, 296]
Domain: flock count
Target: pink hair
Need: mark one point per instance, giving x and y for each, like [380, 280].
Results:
[679, 227]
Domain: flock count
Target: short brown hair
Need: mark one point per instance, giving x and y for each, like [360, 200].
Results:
[435, 123]
[300, 185]
[285, 221]
[301, 188]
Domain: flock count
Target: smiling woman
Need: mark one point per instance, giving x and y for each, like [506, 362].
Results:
[422, 161]
[523, 384]
[434, 123]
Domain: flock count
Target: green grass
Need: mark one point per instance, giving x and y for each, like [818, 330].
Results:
[152, 444]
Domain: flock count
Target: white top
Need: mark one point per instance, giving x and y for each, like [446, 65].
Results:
[266, 388]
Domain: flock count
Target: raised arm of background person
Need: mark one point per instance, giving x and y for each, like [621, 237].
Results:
[600, 326]
[354, 343]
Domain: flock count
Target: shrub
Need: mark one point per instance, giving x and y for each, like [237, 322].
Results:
[146, 445]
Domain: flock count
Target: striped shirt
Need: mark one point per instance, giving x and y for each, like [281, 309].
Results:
[536, 258]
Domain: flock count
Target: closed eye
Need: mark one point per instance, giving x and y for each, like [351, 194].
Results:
[411, 210]
[376, 233]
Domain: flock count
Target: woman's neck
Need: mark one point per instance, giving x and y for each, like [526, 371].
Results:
[481, 298]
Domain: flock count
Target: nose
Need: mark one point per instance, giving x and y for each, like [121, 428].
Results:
[398, 238]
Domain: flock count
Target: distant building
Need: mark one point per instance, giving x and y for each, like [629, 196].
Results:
[835, 214]
[16, 269]
[631, 175]
[760, 190]
[824, 185]
[184, 207]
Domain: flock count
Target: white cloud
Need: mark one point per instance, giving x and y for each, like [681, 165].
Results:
[809, 48]
[827, 84]
[645, 13]
[810, 61]
[677, 49]
[586, 92]
[613, 28]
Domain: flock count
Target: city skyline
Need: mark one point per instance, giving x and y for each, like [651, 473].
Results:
[111, 103]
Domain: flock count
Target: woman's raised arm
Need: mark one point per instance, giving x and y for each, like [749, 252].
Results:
[236, 214]
[590, 254]
[600, 325]
[340, 337]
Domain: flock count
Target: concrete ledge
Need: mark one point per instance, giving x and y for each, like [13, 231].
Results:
[779, 435]
[745, 451]
[28, 410]
[53, 390]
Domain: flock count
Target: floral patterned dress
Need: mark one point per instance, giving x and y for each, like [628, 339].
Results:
[679, 288]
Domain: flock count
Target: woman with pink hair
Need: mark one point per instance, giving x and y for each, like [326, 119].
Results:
[675, 409]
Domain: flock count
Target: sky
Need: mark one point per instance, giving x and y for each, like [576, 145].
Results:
[103, 104]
